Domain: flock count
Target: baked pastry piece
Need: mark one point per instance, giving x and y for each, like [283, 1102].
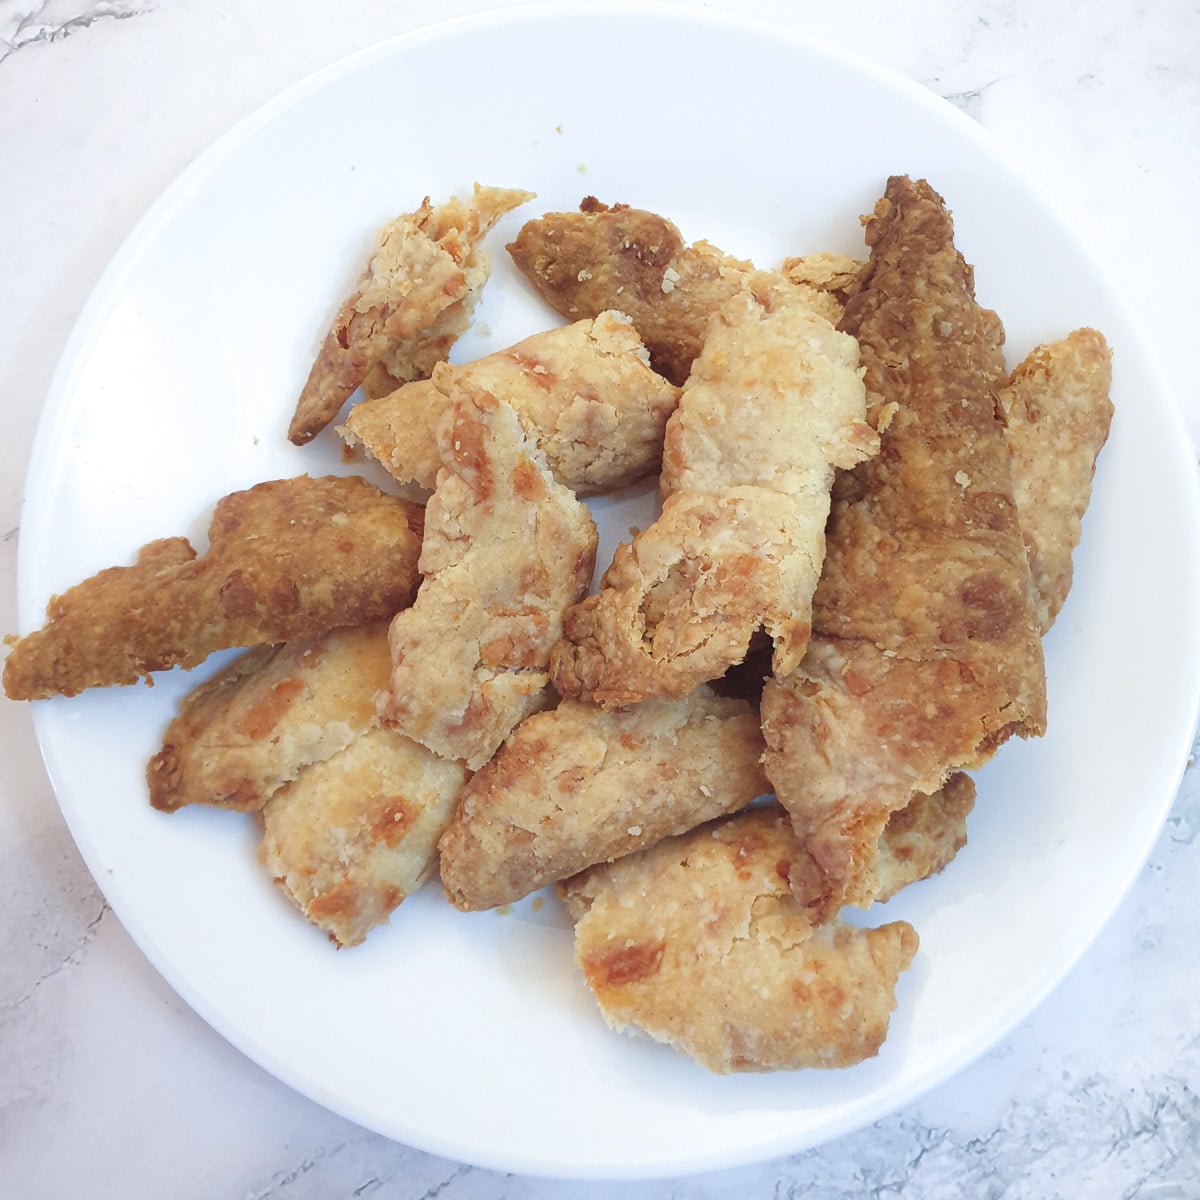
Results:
[605, 257]
[700, 943]
[1057, 412]
[834, 274]
[576, 785]
[921, 838]
[506, 550]
[250, 729]
[1057, 415]
[584, 392]
[925, 653]
[773, 404]
[285, 559]
[350, 837]
[409, 305]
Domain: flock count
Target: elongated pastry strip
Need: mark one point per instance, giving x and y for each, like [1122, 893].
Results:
[350, 837]
[926, 653]
[773, 404]
[506, 550]
[584, 392]
[700, 943]
[1057, 415]
[285, 559]
[576, 785]
[413, 299]
[250, 729]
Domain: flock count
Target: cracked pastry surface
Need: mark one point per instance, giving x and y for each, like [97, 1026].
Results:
[506, 550]
[773, 404]
[409, 305]
[576, 785]
[285, 559]
[699, 942]
[925, 655]
[584, 393]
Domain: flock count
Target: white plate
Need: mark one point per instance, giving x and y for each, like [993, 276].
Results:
[473, 1036]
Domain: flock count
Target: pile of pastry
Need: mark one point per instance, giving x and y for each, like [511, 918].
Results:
[767, 709]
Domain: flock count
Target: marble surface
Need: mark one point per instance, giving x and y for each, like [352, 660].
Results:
[110, 1086]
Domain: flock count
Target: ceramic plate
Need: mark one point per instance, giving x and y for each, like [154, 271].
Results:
[473, 1036]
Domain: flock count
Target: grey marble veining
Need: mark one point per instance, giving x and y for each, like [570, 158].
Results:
[27, 22]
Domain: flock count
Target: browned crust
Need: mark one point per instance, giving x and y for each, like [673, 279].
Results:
[583, 392]
[286, 559]
[700, 943]
[409, 305]
[1057, 414]
[506, 550]
[773, 404]
[921, 838]
[243, 734]
[354, 835]
[576, 786]
[629, 259]
[925, 655]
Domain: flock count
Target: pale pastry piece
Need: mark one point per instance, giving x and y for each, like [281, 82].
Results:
[350, 837]
[506, 550]
[285, 559]
[250, 729]
[1057, 416]
[836, 274]
[576, 786]
[700, 943]
[925, 655]
[920, 839]
[584, 392]
[409, 305]
[774, 403]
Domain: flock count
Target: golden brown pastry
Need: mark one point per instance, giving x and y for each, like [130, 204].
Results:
[774, 403]
[700, 943]
[1057, 415]
[629, 259]
[274, 710]
[576, 786]
[921, 838]
[286, 559]
[506, 550]
[925, 654]
[350, 837]
[584, 392]
[835, 274]
[413, 299]
[605, 257]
